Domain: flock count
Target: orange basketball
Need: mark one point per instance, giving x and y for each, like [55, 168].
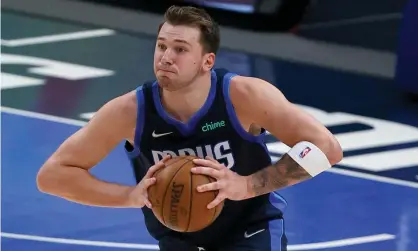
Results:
[176, 203]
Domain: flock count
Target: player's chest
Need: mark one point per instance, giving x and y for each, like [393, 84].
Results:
[208, 129]
[215, 146]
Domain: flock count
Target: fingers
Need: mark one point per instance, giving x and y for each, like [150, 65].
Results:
[207, 171]
[167, 157]
[160, 164]
[211, 159]
[209, 187]
[147, 203]
[147, 183]
[216, 201]
[209, 163]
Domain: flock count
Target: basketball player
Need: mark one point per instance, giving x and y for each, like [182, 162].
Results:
[214, 114]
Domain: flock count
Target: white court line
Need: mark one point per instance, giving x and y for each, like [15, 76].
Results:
[43, 116]
[332, 170]
[87, 115]
[57, 37]
[342, 242]
[310, 246]
[373, 177]
[79, 242]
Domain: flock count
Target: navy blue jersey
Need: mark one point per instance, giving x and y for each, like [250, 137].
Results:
[215, 131]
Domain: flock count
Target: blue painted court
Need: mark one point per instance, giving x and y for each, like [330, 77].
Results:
[367, 203]
[330, 212]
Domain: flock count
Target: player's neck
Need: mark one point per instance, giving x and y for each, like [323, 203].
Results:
[183, 103]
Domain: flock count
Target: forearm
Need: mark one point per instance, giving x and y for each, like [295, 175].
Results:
[302, 162]
[285, 172]
[78, 185]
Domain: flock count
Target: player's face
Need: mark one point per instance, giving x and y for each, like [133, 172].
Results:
[179, 57]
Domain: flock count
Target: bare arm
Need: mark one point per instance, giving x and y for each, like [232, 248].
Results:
[285, 172]
[66, 172]
[258, 102]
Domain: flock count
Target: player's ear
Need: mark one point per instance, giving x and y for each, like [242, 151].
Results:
[209, 61]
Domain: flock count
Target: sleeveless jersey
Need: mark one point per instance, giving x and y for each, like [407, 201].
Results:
[215, 131]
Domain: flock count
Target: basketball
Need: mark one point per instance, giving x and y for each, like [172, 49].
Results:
[176, 203]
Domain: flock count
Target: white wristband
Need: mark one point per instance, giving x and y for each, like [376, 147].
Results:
[310, 157]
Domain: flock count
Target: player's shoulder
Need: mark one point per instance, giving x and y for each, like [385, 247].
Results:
[122, 106]
[245, 90]
[128, 101]
[242, 87]
[245, 86]
[118, 116]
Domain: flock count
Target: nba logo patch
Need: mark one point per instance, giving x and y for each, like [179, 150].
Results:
[304, 152]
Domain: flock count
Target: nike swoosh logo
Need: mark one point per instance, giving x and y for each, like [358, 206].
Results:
[246, 235]
[155, 135]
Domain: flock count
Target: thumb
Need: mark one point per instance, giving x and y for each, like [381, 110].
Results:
[149, 182]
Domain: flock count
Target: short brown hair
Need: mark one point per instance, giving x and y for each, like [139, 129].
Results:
[195, 17]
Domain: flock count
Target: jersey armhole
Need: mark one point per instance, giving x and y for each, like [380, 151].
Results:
[233, 116]
[134, 151]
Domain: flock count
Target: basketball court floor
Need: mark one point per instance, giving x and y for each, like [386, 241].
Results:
[55, 75]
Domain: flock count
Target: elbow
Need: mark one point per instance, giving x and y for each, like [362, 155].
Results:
[43, 180]
[47, 178]
[335, 152]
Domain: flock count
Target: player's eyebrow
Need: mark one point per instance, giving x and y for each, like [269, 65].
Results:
[175, 40]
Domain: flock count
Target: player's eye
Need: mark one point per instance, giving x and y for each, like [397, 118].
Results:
[180, 49]
[162, 46]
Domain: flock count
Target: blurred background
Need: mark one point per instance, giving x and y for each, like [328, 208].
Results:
[352, 64]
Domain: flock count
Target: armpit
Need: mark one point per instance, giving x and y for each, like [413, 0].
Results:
[254, 130]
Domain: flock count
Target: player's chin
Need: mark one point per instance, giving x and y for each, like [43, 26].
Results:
[166, 83]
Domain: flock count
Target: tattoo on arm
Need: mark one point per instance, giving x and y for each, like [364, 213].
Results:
[283, 173]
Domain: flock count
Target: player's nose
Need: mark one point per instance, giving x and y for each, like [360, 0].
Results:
[167, 57]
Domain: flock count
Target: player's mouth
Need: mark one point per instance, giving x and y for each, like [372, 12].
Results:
[166, 70]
